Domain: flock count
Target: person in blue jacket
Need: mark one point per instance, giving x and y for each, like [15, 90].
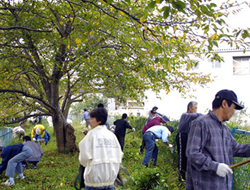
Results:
[12, 157]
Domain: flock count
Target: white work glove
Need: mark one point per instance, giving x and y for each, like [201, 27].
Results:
[170, 146]
[223, 170]
[34, 139]
[133, 129]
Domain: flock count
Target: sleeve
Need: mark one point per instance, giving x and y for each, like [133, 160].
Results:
[240, 150]
[197, 138]
[107, 122]
[48, 135]
[33, 133]
[85, 155]
[165, 134]
[115, 122]
[127, 125]
[3, 165]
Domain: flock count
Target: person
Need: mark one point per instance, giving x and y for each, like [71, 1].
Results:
[33, 131]
[85, 116]
[181, 137]
[18, 131]
[38, 136]
[85, 131]
[100, 153]
[149, 137]
[120, 129]
[40, 117]
[151, 116]
[12, 157]
[156, 121]
[108, 121]
[37, 153]
[211, 147]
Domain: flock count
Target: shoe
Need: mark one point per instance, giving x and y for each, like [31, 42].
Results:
[20, 177]
[25, 166]
[34, 167]
[8, 183]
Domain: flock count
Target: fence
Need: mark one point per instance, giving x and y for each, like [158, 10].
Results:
[241, 179]
[5, 136]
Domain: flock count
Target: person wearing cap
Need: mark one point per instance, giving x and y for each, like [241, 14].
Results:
[211, 147]
[149, 137]
[151, 116]
[182, 136]
[156, 121]
[120, 129]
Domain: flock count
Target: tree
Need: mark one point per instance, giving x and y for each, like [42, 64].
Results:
[53, 52]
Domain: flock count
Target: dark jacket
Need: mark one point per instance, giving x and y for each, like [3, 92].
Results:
[121, 126]
[9, 152]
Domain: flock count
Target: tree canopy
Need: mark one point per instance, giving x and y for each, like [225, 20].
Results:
[54, 52]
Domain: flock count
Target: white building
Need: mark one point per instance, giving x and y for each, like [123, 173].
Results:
[233, 74]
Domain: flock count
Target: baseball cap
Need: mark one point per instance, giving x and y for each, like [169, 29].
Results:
[165, 118]
[229, 95]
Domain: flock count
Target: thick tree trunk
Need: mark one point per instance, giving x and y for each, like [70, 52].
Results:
[65, 138]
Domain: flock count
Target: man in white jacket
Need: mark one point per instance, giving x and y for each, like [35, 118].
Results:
[100, 153]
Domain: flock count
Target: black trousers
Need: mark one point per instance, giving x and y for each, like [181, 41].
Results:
[121, 140]
[181, 142]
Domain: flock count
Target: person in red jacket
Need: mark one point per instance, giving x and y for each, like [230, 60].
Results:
[153, 122]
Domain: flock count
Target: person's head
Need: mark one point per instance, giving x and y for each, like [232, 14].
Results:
[85, 109]
[100, 105]
[192, 107]
[26, 138]
[124, 116]
[155, 108]
[98, 116]
[38, 131]
[153, 112]
[164, 119]
[85, 131]
[170, 128]
[226, 102]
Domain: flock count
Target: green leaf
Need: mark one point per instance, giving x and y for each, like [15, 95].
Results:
[152, 4]
[156, 60]
[179, 5]
[166, 12]
[245, 34]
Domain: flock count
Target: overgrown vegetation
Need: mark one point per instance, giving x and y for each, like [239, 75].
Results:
[58, 171]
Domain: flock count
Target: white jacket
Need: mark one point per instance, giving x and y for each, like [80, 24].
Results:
[101, 155]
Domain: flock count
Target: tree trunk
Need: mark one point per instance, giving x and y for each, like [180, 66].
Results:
[65, 138]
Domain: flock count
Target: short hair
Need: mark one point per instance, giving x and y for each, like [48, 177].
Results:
[170, 128]
[191, 104]
[124, 116]
[85, 109]
[217, 102]
[100, 114]
[100, 105]
[26, 138]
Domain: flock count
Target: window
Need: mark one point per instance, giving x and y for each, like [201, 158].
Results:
[241, 66]
[216, 64]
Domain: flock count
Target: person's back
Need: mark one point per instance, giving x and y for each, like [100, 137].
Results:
[37, 152]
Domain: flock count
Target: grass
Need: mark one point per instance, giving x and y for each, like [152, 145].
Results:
[58, 171]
